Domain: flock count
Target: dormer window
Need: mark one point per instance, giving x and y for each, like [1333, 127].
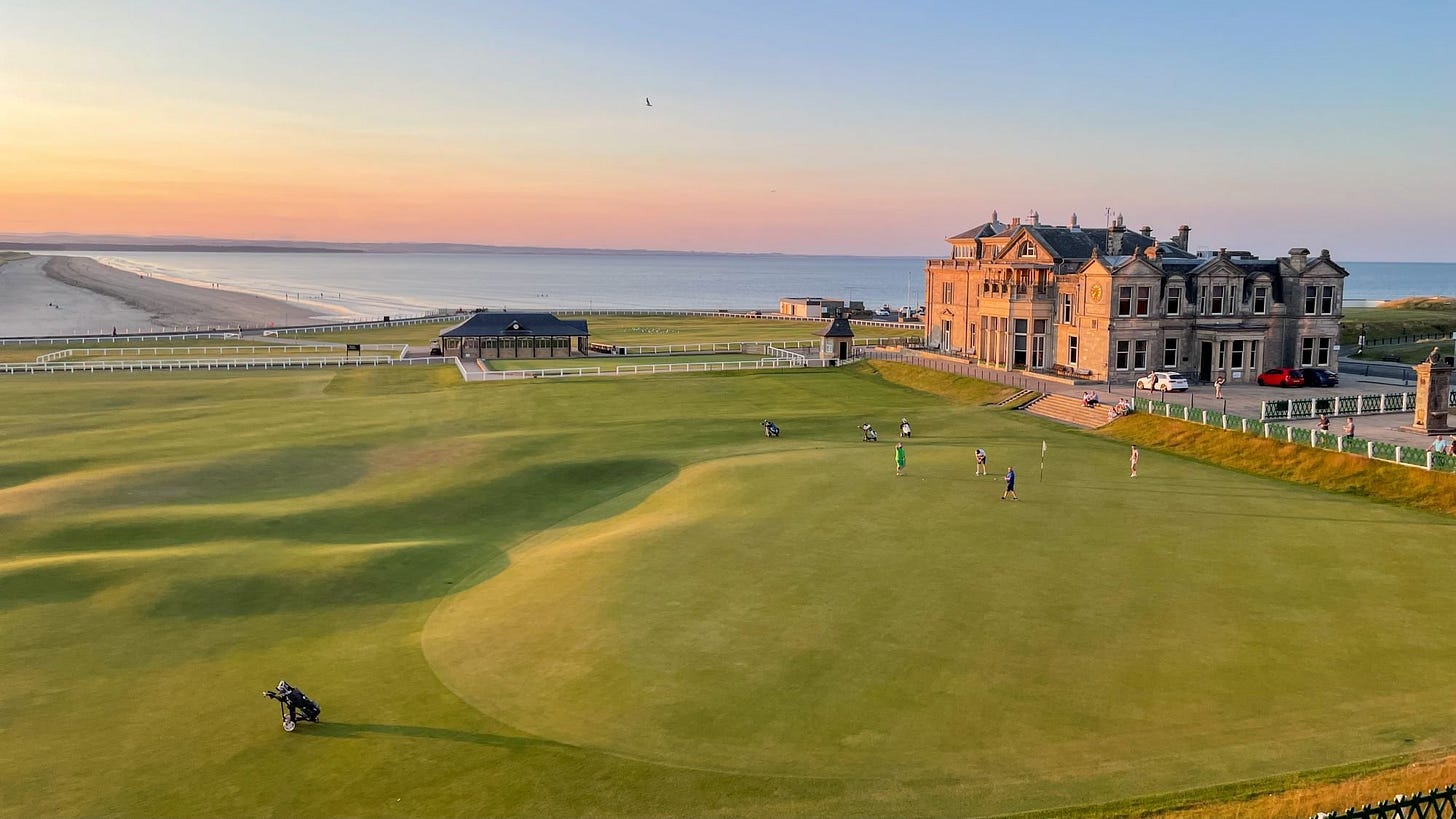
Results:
[1027, 249]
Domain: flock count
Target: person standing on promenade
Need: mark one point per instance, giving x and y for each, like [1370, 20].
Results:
[981, 462]
[1218, 387]
[899, 460]
[1350, 427]
[1324, 423]
[1133, 460]
[1010, 485]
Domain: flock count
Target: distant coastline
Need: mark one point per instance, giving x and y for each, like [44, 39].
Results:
[104, 246]
[203, 244]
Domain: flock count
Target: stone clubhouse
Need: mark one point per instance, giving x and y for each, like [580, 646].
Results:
[514, 335]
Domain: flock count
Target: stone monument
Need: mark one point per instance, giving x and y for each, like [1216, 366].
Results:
[1433, 396]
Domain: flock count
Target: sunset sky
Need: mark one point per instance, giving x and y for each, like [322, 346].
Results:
[794, 127]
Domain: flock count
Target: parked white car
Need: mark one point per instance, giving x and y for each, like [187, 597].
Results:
[1166, 381]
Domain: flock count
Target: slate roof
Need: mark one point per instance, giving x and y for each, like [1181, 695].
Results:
[1069, 243]
[516, 325]
[993, 228]
[839, 328]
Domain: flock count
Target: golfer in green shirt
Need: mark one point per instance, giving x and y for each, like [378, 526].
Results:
[899, 459]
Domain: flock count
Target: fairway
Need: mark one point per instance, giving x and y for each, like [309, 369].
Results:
[632, 330]
[617, 597]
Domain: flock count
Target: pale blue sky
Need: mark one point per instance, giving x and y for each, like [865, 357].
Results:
[803, 127]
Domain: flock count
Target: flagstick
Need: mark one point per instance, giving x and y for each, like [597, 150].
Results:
[1041, 474]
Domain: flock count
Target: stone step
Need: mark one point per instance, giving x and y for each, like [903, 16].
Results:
[1068, 410]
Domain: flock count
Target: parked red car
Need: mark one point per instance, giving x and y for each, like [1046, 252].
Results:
[1281, 377]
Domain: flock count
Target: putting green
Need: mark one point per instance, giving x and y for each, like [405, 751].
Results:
[727, 623]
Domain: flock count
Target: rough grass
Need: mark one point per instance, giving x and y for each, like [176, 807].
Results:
[1425, 316]
[1332, 471]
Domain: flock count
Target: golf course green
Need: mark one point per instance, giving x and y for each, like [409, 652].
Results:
[617, 597]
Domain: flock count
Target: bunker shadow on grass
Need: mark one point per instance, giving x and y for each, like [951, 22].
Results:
[467, 549]
[48, 584]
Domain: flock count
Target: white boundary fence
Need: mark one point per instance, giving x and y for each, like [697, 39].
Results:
[1289, 409]
[108, 339]
[628, 369]
[707, 366]
[161, 365]
[1375, 450]
[749, 346]
[793, 355]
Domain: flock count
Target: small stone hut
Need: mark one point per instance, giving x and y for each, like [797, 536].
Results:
[838, 338]
[515, 335]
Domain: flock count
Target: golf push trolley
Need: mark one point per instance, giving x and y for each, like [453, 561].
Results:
[294, 706]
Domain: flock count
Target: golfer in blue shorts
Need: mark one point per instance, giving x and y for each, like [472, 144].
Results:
[1010, 484]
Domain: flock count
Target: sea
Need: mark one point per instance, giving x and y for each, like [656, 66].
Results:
[359, 285]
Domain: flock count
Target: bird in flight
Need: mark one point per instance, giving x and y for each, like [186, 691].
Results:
[649, 102]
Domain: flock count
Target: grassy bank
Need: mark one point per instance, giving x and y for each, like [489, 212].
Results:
[1331, 471]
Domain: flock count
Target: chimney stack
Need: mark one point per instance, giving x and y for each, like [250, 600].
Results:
[1114, 237]
[1147, 231]
[1016, 221]
[1036, 217]
[1298, 258]
[1183, 231]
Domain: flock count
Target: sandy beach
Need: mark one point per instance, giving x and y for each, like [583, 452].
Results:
[71, 295]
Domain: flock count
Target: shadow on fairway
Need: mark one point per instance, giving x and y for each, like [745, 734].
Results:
[354, 730]
[472, 525]
[50, 584]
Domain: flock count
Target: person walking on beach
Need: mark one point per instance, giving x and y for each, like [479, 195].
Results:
[1133, 460]
[981, 462]
[899, 460]
[1010, 485]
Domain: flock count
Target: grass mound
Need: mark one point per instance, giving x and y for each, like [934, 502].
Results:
[1333, 471]
[950, 386]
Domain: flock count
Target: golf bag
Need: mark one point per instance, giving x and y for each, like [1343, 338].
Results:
[770, 429]
[869, 432]
[294, 705]
[904, 428]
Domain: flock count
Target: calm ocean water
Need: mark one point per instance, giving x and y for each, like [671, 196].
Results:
[375, 284]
